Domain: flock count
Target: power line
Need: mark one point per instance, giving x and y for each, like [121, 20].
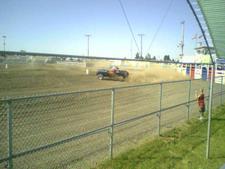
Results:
[128, 23]
[160, 25]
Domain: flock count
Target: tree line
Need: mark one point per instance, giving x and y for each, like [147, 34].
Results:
[149, 57]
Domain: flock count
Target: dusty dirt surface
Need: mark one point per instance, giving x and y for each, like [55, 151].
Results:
[30, 79]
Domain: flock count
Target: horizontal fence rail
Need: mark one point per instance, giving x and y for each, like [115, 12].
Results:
[36, 126]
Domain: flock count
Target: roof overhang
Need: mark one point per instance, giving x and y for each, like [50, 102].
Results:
[213, 12]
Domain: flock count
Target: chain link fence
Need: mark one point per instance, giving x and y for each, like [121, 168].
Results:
[80, 129]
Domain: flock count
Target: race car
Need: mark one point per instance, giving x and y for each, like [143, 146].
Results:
[104, 73]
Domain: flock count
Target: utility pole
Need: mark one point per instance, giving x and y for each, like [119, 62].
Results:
[182, 39]
[4, 38]
[88, 40]
[181, 44]
[141, 36]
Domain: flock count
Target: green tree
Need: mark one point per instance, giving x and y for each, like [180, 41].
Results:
[137, 56]
[167, 58]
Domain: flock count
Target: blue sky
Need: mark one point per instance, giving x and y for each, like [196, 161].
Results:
[59, 26]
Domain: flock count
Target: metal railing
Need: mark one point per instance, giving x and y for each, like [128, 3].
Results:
[51, 131]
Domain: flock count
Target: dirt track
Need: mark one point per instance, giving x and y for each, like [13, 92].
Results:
[42, 121]
[19, 80]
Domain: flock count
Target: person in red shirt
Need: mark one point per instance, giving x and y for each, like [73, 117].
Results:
[201, 103]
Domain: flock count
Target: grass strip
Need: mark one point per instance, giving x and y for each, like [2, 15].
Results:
[182, 147]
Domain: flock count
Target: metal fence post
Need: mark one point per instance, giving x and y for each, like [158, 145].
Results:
[221, 91]
[111, 132]
[207, 107]
[209, 114]
[10, 134]
[189, 98]
[160, 109]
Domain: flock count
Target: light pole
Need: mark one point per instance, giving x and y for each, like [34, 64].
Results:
[88, 40]
[182, 39]
[4, 37]
[141, 36]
